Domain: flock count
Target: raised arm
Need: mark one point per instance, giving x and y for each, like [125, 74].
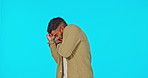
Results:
[53, 47]
[54, 50]
[70, 41]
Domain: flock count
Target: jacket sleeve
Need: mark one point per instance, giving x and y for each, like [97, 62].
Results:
[70, 40]
[54, 49]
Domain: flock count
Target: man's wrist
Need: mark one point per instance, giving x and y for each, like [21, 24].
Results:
[51, 42]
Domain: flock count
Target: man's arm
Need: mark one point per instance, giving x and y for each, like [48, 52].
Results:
[54, 50]
[70, 41]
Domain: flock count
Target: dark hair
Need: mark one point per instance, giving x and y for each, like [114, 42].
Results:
[54, 23]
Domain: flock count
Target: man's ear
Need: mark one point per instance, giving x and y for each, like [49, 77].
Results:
[62, 28]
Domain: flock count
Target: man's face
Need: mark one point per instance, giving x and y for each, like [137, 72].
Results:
[58, 34]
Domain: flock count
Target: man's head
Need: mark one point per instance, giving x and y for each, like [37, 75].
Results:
[56, 27]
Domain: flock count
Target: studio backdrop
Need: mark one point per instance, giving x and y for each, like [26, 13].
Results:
[117, 31]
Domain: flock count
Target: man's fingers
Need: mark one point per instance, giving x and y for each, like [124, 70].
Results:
[49, 34]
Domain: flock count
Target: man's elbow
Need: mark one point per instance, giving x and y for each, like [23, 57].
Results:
[64, 54]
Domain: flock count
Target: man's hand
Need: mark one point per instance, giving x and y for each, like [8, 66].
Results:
[50, 37]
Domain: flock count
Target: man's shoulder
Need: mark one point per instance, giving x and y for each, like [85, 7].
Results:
[72, 27]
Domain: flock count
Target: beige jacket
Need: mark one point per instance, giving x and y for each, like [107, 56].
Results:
[75, 48]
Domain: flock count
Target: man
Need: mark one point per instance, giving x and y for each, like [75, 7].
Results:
[70, 49]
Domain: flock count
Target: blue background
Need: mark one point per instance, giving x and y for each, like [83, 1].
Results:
[117, 31]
